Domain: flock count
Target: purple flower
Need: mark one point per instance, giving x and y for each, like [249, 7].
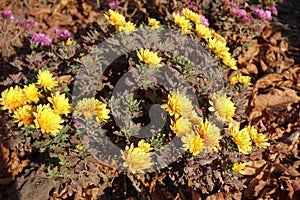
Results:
[8, 14]
[234, 12]
[41, 38]
[273, 10]
[248, 19]
[63, 34]
[27, 25]
[233, 4]
[268, 15]
[189, 5]
[263, 14]
[114, 4]
[204, 21]
[242, 12]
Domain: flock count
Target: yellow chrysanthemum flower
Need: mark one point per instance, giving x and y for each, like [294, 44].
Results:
[46, 79]
[153, 22]
[47, 119]
[210, 134]
[136, 160]
[245, 80]
[258, 138]
[193, 143]
[115, 18]
[90, 106]
[69, 41]
[178, 105]
[24, 115]
[239, 167]
[79, 147]
[143, 146]
[102, 113]
[181, 126]
[241, 139]
[203, 32]
[217, 36]
[217, 46]
[127, 28]
[32, 93]
[191, 15]
[12, 98]
[183, 23]
[223, 106]
[149, 57]
[230, 62]
[60, 103]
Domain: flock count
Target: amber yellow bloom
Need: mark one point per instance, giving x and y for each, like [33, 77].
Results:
[241, 139]
[12, 98]
[149, 57]
[69, 41]
[210, 134]
[24, 115]
[245, 80]
[230, 62]
[217, 36]
[136, 159]
[102, 113]
[217, 46]
[223, 106]
[90, 106]
[203, 32]
[258, 138]
[47, 119]
[115, 18]
[60, 103]
[46, 79]
[239, 167]
[178, 105]
[143, 146]
[153, 22]
[181, 126]
[127, 28]
[183, 23]
[191, 15]
[193, 143]
[32, 93]
[79, 147]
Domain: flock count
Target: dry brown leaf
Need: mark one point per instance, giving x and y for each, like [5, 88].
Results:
[220, 196]
[64, 79]
[263, 101]
[259, 187]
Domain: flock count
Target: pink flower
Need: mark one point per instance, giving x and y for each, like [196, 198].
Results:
[268, 15]
[8, 14]
[41, 38]
[263, 14]
[114, 4]
[27, 25]
[242, 12]
[233, 4]
[189, 5]
[204, 21]
[273, 10]
[63, 34]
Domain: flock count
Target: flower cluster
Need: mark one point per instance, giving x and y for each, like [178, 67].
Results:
[119, 22]
[62, 33]
[41, 39]
[245, 80]
[27, 108]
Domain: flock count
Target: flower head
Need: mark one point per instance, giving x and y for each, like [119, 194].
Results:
[193, 143]
[204, 21]
[183, 23]
[41, 38]
[191, 15]
[258, 138]
[8, 14]
[115, 18]
[245, 80]
[46, 80]
[143, 146]
[114, 4]
[136, 159]
[153, 22]
[127, 28]
[12, 98]
[32, 93]
[149, 57]
[210, 134]
[181, 126]
[24, 115]
[241, 139]
[178, 105]
[224, 107]
[239, 167]
[102, 113]
[203, 32]
[60, 103]
[47, 119]
[217, 46]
